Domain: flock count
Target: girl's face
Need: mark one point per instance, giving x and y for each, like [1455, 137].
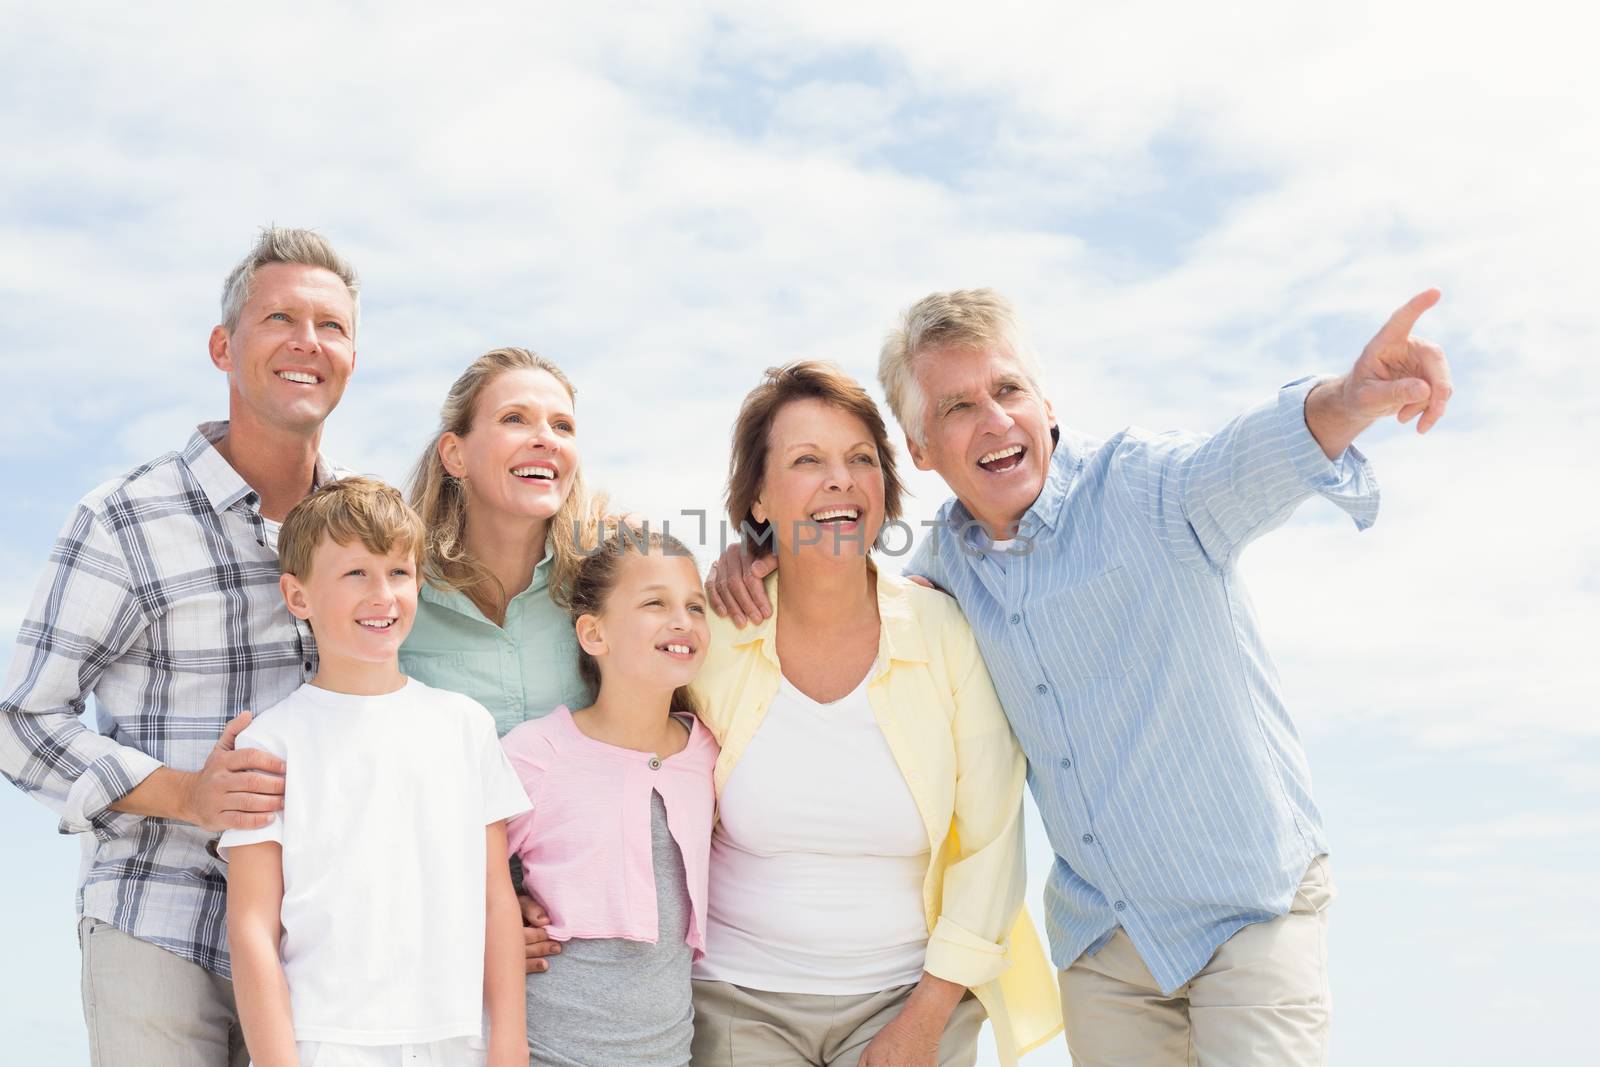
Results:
[652, 629]
[521, 455]
[823, 487]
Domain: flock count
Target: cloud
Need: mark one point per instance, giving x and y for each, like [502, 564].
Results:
[1190, 205]
[676, 204]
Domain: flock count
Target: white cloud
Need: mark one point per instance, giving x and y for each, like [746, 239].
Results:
[572, 182]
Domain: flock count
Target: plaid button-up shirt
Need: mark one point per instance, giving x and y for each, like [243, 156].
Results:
[161, 599]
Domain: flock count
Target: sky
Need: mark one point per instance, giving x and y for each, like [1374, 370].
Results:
[1189, 204]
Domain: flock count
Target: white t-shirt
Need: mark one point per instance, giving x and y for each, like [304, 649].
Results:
[819, 857]
[386, 801]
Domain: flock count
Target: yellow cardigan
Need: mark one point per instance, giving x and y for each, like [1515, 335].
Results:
[932, 697]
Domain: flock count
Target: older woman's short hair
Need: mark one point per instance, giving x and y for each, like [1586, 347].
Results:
[961, 318]
[805, 380]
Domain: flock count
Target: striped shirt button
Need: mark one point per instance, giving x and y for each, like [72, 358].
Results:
[1042, 688]
[1065, 762]
[1088, 839]
[1121, 905]
[1015, 618]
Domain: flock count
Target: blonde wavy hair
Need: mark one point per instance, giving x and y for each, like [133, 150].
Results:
[439, 499]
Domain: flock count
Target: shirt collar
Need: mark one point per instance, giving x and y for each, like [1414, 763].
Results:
[218, 480]
[461, 603]
[901, 638]
[1065, 463]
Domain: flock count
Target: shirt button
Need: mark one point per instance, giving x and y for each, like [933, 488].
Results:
[1120, 905]
[308, 665]
[1015, 618]
[655, 763]
[1041, 688]
[1088, 839]
[1065, 763]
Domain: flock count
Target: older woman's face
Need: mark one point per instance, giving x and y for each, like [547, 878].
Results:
[823, 487]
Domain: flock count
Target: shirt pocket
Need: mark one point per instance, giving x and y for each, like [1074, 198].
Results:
[1096, 619]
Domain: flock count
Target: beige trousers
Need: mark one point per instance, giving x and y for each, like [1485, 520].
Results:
[739, 1027]
[147, 1007]
[1262, 1000]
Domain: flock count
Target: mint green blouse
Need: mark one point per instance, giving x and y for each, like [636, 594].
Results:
[520, 671]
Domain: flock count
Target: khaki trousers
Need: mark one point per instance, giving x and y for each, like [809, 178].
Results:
[147, 1007]
[1261, 1000]
[739, 1027]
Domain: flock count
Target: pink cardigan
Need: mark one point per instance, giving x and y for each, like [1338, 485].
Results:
[585, 846]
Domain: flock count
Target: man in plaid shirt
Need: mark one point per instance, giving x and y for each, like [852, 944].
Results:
[161, 599]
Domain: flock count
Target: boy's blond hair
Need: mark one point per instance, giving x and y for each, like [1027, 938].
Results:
[348, 510]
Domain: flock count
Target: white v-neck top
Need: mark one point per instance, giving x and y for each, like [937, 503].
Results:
[818, 862]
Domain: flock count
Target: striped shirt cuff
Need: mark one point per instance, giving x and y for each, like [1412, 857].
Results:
[1347, 482]
[102, 783]
[962, 957]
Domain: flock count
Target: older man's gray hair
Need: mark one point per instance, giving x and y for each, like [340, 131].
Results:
[960, 318]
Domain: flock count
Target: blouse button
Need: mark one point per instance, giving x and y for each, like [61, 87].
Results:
[655, 763]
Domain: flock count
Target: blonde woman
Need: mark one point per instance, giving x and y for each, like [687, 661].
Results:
[866, 875]
[500, 488]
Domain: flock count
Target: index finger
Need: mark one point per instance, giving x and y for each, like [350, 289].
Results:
[254, 759]
[1405, 318]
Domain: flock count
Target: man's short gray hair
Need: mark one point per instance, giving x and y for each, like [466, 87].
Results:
[960, 318]
[280, 244]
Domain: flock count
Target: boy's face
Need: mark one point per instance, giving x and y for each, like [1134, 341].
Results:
[360, 604]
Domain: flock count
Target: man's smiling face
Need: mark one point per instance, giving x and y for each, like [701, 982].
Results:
[985, 429]
[292, 351]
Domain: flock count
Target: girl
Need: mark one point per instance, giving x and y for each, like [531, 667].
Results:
[617, 844]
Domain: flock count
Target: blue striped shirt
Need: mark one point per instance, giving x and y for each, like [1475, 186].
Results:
[1125, 650]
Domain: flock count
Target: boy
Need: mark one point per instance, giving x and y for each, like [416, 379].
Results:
[373, 920]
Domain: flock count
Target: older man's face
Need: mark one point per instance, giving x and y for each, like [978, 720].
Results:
[986, 431]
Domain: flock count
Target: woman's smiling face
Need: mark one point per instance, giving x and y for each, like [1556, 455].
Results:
[521, 455]
[822, 491]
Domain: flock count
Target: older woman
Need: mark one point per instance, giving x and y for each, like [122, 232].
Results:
[867, 870]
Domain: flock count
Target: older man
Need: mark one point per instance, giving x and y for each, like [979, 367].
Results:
[1186, 906]
[161, 599]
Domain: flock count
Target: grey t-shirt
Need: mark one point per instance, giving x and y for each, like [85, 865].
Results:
[618, 1002]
